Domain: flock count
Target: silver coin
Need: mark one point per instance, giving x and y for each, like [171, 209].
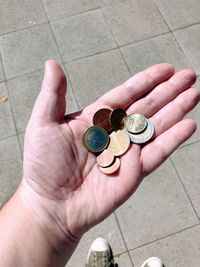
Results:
[144, 136]
[135, 123]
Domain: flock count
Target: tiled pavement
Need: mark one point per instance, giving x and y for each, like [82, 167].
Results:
[100, 43]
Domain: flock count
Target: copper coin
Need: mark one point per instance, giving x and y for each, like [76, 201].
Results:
[101, 118]
[117, 118]
[105, 159]
[111, 169]
[119, 142]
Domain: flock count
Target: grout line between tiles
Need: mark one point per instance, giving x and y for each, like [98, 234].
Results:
[115, 48]
[3, 68]
[62, 61]
[24, 28]
[120, 254]
[24, 75]
[91, 55]
[75, 60]
[85, 57]
[66, 17]
[7, 137]
[178, 28]
[179, 177]
[127, 251]
[189, 144]
[14, 120]
[164, 237]
[129, 70]
[75, 14]
[10, 104]
[79, 13]
[174, 37]
[186, 26]
[73, 95]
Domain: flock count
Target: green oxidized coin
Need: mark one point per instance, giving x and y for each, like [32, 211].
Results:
[96, 139]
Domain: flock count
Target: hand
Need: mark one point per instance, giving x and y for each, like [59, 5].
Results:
[63, 177]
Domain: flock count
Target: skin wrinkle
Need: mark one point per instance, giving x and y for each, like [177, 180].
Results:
[80, 180]
[56, 221]
[75, 151]
[175, 89]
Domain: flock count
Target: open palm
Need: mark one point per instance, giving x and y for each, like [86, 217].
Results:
[65, 176]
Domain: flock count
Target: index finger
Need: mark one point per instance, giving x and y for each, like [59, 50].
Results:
[137, 86]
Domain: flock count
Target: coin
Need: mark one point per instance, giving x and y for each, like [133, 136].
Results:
[101, 118]
[119, 143]
[105, 159]
[117, 118]
[144, 136]
[96, 139]
[111, 169]
[135, 123]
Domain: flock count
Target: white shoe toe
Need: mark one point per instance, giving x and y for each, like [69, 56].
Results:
[152, 262]
[99, 244]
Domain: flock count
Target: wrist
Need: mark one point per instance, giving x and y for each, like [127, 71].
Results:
[44, 213]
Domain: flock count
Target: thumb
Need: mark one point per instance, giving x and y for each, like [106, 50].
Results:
[50, 104]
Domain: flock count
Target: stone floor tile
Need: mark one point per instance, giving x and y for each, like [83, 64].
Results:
[195, 115]
[134, 20]
[109, 230]
[21, 142]
[181, 249]
[70, 101]
[26, 51]
[186, 161]
[156, 50]
[10, 167]
[20, 14]
[93, 76]
[71, 105]
[101, 3]
[159, 207]
[83, 35]
[2, 78]
[179, 13]
[189, 40]
[6, 119]
[23, 92]
[123, 260]
[67, 8]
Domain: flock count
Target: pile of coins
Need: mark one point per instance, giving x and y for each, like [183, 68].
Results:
[112, 133]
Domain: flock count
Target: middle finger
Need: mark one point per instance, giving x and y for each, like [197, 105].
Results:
[163, 93]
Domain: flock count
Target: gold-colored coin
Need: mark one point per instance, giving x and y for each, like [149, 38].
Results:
[119, 142]
[101, 118]
[111, 169]
[117, 118]
[135, 123]
[96, 139]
